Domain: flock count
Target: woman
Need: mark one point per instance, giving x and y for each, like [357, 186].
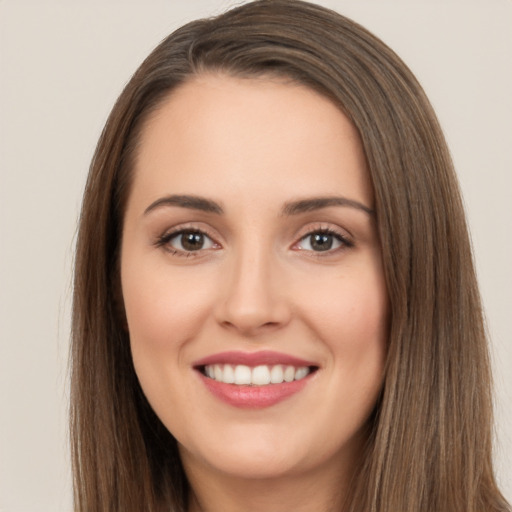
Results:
[275, 305]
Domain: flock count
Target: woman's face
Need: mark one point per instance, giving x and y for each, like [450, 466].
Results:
[252, 278]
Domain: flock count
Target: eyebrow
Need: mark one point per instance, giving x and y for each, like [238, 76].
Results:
[290, 208]
[186, 201]
[317, 203]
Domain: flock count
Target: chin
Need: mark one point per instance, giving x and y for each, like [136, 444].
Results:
[251, 465]
[263, 454]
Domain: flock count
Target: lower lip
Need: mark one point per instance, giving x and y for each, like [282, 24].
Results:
[253, 397]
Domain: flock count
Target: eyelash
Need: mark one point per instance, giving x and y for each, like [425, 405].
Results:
[345, 242]
[165, 239]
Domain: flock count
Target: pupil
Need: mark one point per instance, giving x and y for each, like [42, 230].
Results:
[192, 241]
[321, 242]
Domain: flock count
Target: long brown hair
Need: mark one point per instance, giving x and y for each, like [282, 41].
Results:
[429, 443]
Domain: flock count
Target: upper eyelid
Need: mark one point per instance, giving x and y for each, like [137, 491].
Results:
[323, 227]
[344, 239]
[183, 228]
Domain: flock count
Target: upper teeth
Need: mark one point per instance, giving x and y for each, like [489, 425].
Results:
[257, 376]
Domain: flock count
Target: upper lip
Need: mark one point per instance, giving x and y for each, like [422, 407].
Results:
[263, 357]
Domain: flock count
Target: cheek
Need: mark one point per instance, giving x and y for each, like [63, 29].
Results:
[352, 308]
[351, 316]
[165, 311]
[163, 308]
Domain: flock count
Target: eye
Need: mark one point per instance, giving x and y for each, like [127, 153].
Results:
[322, 241]
[187, 241]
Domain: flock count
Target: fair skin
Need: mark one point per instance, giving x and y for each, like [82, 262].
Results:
[276, 251]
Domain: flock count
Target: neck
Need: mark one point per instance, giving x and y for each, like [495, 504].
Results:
[323, 491]
[270, 496]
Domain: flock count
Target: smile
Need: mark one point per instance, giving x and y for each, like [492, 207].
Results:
[262, 375]
[254, 380]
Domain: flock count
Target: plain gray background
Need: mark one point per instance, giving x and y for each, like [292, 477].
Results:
[63, 63]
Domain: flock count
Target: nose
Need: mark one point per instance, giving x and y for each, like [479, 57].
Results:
[253, 299]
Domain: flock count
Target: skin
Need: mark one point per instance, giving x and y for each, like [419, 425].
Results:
[253, 146]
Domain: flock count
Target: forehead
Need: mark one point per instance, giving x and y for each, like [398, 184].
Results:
[218, 134]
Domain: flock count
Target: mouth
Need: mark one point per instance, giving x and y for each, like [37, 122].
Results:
[254, 380]
[261, 375]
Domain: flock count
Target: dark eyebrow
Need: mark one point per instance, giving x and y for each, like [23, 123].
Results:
[186, 201]
[316, 203]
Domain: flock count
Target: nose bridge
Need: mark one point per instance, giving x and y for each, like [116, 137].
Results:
[253, 298]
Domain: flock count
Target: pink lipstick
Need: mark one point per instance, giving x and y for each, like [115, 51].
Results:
[254, 380]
